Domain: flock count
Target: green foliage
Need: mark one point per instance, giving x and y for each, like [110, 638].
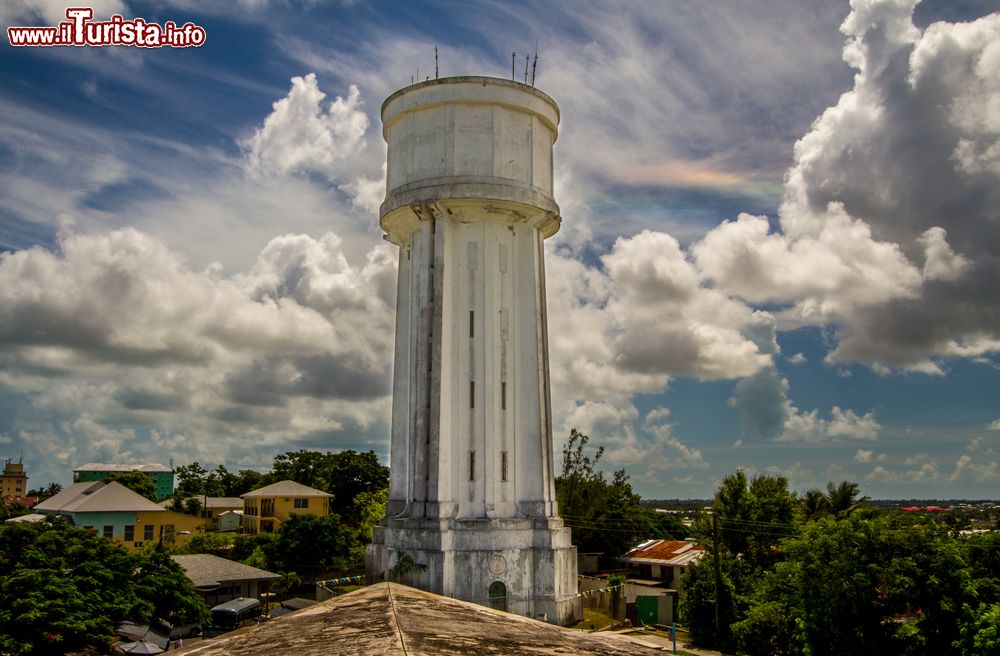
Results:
[65, 589]
[312, 542]
[345, 475]
[697, 601]
[981, 634]
[753, 516]
[135, 481]
[606, 516]
[195, 480]
[839, 501]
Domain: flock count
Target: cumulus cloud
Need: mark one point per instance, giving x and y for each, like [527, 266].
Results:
[901, 262]
[299, 136]
[766, 410]
[113, 332]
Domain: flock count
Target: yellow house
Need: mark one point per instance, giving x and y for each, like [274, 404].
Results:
[265, 509]
[175, 528]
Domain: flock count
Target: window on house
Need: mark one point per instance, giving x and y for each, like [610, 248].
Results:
[302, 503]
[267, 526]
[130, 533]
[109, 531]
[147, 532]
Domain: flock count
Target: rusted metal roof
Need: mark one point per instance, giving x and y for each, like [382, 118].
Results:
[666, 552]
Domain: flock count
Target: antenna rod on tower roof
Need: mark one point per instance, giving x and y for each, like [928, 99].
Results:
[435, 62]
[527, 58]
[513, 58]
[534, 65]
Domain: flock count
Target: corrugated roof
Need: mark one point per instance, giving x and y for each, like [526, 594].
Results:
[666, 552]
[206, 570]
[286, 489]
[149, 468]
[113, 497]
[56, 502]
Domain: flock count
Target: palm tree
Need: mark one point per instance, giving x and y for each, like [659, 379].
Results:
[842, 500]
[814, 504]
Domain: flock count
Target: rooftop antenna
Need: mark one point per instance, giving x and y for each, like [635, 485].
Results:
[513, 58]
[435, 62]
[527, 59]
[534, 65]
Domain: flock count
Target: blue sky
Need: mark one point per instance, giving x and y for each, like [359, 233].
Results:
[779, 248]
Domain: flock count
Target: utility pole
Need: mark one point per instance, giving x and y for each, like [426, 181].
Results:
[718, 573]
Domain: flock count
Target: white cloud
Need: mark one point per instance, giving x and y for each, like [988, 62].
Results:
[115, 332]
[850, 244]
[994, 425]
[798, 358]
[863, 456]
[298, 136]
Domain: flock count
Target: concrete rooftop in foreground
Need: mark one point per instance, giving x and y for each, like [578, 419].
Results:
[389, 618]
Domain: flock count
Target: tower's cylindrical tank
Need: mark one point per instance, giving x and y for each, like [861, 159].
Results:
[469, 138]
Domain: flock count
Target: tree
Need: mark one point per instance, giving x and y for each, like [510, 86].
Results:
[135, 481]
[65, 589]
[344, 474]
[311, 542]
[606, 516]
[754, 515]
[840, 500]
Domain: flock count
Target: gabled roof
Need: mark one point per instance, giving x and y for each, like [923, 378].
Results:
[112, 497]
[286, 489]
[32, 518]
[56, 502]
[207, 571]
[666, 552]
[387, 619]
[150, 468]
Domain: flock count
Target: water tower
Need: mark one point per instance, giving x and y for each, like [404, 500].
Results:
[472, 511]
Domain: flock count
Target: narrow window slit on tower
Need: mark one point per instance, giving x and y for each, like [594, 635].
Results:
[472, 323]
[503, 466]
[472, 394]
[472, 465]
[503, 396]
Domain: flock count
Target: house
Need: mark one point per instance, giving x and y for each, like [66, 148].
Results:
[211, 509]
[656, 568]
[219, 580]
[163, 477]
[389, 619]
[120, 514]
[265, 509]
[13, 480]
[663, 560]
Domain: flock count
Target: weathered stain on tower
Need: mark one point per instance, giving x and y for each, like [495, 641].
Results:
[472, 511]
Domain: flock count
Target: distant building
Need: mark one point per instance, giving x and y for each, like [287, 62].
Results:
[265, 509]
[163, 477]
[120, 514]
[663, 560]
[219, 580]
[13, 480]
[212, 508]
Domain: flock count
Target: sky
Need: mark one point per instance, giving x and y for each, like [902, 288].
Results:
[780, 247]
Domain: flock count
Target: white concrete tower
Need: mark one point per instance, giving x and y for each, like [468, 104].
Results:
[472, 511]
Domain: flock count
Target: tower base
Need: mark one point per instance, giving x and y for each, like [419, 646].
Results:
[522, 565]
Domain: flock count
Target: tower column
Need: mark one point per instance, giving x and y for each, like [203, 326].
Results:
[469, 203]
